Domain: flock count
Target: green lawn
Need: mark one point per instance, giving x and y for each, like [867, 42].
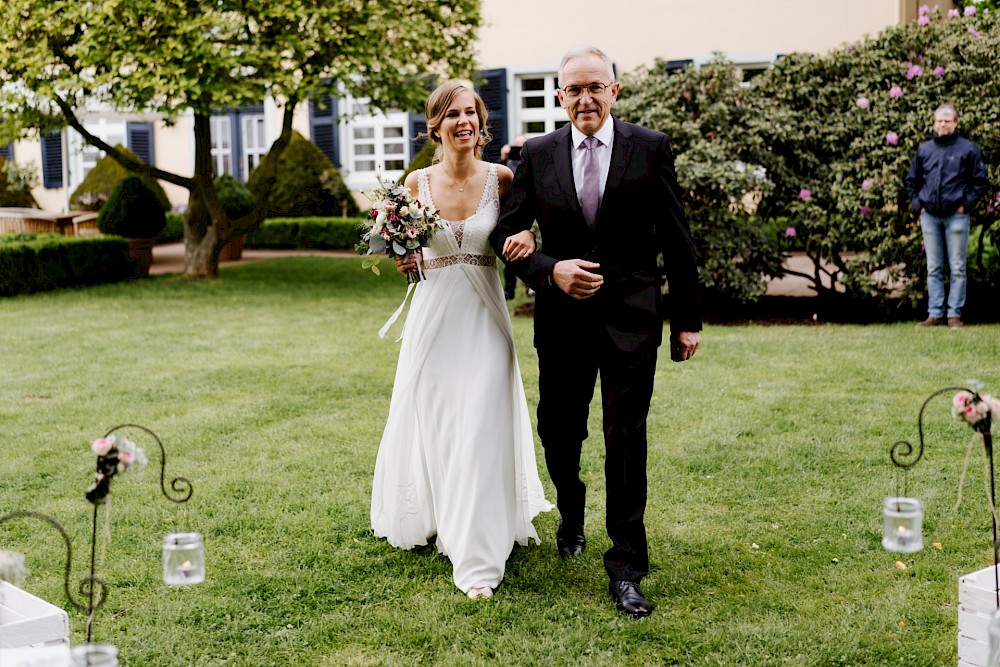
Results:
[768, 465]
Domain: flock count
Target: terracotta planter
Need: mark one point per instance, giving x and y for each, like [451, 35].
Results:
[140, 251]
[233, 250]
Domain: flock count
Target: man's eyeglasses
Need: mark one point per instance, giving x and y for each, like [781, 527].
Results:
[593, 89]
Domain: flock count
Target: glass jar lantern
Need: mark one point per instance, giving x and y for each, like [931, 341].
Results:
[183, 559]
[94, 655]
[902, 527]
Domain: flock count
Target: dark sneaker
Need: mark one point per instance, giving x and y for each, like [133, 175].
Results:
[955, 323]
[931, 322]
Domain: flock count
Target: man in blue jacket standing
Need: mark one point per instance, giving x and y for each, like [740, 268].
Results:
[946, 179]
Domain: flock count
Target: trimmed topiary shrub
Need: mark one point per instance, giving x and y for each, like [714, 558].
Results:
[319, 233]
[14, 191]
[174, 231]
[237, 200]
[132, 211]
[37, 262]
[307, 184]
[423, 158]
[95, 189]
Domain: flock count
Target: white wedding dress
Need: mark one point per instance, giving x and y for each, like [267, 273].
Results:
[457, 458]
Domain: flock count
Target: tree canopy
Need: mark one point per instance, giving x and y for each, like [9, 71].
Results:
[62, 58]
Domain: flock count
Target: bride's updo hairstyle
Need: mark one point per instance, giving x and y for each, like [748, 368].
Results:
[437, 106]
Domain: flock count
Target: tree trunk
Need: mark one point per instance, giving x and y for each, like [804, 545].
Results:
[201, 240]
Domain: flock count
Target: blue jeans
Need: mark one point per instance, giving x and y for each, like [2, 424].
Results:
[946, 236]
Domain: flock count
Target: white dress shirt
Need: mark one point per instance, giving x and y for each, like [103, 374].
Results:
[606, 137]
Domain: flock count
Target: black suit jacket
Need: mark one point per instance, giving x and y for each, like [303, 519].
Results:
[641, 216]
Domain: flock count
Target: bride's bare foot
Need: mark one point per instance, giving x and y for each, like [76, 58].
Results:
[477, 592]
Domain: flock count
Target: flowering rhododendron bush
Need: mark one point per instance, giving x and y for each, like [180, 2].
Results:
[825, 141]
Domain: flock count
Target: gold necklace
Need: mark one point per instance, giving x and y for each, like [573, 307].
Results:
[461, 188]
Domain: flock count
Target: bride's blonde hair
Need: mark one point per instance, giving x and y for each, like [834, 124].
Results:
[437, 106]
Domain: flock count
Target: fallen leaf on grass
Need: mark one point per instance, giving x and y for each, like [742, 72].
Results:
[937, 545]
[900, 565]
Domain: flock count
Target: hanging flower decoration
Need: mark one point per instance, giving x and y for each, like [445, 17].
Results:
[115, 454]
[976, 409]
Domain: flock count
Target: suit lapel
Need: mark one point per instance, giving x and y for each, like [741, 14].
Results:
[563, 162]
[621, 153]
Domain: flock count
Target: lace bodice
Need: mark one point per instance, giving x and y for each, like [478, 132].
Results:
[463, 241]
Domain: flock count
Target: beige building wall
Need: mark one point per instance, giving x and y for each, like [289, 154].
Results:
[635, 32]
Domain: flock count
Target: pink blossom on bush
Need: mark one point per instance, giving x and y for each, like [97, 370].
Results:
[805, 195]
[866, 184]
[895, 91]
[789, 231]
[939, 71]
[864, 210]
[990, 208]
[891, 138]
[923, 20]
[913, 72]
[862, 102]
[970, 11]
[924, 10]
[975, 33]
[953, 13]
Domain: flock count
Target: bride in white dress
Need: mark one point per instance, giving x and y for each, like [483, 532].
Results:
[457, 458]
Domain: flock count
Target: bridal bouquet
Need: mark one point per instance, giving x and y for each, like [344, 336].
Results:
[399, 225]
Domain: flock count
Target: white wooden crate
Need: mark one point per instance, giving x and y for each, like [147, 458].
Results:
[26, 620]
[977, 602]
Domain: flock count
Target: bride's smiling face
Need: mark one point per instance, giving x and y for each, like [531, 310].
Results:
[459, 128]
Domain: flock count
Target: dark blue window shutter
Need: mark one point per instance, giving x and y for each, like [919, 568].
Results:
[675, 66]
[494, 94]
[418, 133]
[7, 152]
[140, 140]
[323, 127]
[52, 159]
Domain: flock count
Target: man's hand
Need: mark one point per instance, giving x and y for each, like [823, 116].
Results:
[684, 344]
[519, 246]
[573, 277]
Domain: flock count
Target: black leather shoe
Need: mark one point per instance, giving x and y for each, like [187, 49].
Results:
[630, 599]
[570, 541]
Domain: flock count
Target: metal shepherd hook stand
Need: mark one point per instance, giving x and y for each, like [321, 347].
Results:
[901, 451]
[93, 588]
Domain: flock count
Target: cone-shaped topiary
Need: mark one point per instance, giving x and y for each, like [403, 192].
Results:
[423, 158]
[308, 184]
[95, 189]
[236, 199]
[132, 210]
[20, 198]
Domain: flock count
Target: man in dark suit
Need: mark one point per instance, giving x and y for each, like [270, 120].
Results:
[606, 207]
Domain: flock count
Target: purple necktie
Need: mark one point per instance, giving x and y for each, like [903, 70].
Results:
[590, 199]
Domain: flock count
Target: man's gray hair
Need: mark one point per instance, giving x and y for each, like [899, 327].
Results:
[582, 51]
[947, 108]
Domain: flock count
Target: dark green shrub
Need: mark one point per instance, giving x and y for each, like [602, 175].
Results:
[11, 194]
[96, 187]
[320, 233]
[132, 211]
[237, 200]
[307, 184]
[174, 231]
[38, 262]
[423, 158]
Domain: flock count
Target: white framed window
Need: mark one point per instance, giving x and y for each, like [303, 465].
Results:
[254, 138]
[373, 141]
[536, 105]
[222, 144]
[83, 156]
